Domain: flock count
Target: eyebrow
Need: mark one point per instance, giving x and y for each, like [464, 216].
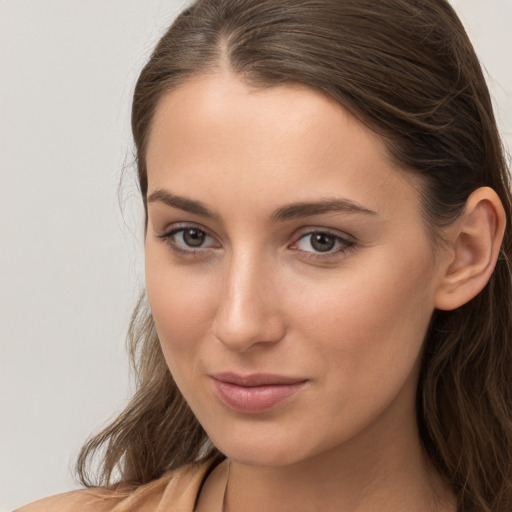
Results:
[289, 212]
[299, 210]
[182, 203]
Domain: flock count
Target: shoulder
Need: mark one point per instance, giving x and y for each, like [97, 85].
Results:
[83, 500]
[176, 489]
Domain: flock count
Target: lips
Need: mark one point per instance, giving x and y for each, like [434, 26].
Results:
[254, 393]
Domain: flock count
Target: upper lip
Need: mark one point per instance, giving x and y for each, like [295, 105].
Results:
[256, 379]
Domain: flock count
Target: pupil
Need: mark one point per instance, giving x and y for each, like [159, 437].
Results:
[322, 242]
[193, 237]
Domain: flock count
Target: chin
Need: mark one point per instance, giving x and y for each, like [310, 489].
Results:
[261, 450]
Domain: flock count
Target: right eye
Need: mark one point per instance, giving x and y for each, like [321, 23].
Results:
[191, 237]
[188, 240]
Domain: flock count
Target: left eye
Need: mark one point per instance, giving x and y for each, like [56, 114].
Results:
[322, 242]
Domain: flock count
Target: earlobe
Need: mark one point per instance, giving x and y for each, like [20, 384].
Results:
[474, 242]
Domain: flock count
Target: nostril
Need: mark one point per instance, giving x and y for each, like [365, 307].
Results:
[239, 333]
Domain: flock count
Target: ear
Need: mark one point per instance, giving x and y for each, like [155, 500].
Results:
[474, 242]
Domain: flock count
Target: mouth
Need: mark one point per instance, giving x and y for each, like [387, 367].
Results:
[254, 393]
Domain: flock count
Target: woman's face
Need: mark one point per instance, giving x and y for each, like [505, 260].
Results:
[289, 272]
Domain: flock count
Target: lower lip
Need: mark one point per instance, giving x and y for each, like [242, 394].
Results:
[254, 399]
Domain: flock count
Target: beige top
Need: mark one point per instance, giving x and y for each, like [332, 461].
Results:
[176, 491]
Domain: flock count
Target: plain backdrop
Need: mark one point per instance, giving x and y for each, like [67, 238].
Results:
[70, 256]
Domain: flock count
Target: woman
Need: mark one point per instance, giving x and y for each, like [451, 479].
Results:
[327, 242]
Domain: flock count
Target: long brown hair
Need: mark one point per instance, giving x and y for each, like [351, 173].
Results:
[407, 70]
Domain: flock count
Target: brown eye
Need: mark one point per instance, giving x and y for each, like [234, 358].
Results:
[322, 242]
[193, 237]
[188, 240]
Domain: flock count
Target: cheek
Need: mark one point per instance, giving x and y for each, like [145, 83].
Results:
[367, 325]
[182, 305]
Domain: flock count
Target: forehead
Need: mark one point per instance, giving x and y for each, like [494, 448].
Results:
[285, 142]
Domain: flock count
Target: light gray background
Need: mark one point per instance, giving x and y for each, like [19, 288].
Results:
[70, 263]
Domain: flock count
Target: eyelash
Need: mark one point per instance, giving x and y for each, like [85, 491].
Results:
[347, 245]
[168, 238]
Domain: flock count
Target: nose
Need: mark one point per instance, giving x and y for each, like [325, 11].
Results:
[248, 312]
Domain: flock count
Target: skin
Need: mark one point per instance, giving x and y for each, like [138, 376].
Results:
[257, 296]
